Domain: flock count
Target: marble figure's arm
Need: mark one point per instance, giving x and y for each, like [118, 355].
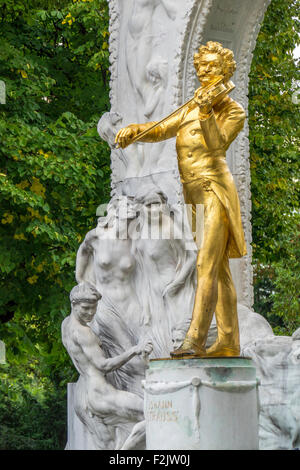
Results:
[92, 350]
[83, 256]
[186, 270]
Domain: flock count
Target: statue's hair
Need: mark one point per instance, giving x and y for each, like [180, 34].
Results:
[84, 292]
[211, 47]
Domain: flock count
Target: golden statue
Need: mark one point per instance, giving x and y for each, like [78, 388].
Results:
[204, 129]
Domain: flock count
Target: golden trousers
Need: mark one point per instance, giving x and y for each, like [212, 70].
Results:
[215, 289]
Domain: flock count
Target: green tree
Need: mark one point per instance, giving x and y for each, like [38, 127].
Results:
[54, 172]
[274, 146]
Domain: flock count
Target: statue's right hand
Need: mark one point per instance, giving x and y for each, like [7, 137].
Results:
[145, 347]
[148, 348]
[125, 135]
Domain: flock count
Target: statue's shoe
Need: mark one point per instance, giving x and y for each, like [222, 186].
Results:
[217, 350]
[179, 353]
[188, 348]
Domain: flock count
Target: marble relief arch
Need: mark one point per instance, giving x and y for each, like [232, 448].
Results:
[146, 287]
[172, 32]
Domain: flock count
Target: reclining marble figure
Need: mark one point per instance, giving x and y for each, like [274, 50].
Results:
[94, 395]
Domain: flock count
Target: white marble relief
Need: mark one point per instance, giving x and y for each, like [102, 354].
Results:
[147, 286]
[277, 360]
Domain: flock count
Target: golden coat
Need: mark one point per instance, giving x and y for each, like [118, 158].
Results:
[201, 150]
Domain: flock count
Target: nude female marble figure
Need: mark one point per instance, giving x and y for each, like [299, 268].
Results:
[105, 260]
[166, 267]
[140, 45]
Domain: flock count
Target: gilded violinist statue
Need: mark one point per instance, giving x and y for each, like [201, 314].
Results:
[204, 129]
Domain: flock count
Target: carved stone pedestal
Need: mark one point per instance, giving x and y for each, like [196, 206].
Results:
[204, 404]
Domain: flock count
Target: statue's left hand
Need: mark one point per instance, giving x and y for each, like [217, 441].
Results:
[203, 100]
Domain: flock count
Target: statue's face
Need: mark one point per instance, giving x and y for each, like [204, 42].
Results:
[126, 208]
[153, 206]
[84, 311]
[209, 68]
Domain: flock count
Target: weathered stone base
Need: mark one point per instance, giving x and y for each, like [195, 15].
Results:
[209, 403]
[79, 437]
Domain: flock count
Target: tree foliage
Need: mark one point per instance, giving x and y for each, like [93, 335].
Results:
[54, 172]
[274, 146]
